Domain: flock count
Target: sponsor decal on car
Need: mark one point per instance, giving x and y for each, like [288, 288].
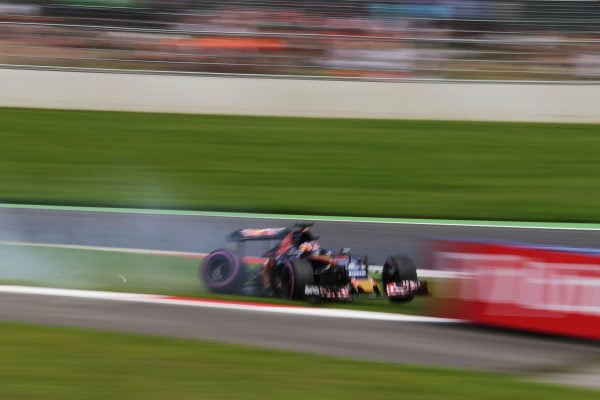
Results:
[311, 290]
[261, 232]
[357, 273]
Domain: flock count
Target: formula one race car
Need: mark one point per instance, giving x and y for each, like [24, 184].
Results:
[297, 268]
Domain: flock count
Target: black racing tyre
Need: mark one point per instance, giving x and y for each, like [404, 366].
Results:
[377, 290]
[397, 269]
[222, 271]
[294, 277]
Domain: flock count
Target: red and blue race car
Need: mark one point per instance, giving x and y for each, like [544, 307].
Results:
[297, 268]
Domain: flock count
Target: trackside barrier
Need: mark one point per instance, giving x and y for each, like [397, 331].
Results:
[540, 289]
[152, 91]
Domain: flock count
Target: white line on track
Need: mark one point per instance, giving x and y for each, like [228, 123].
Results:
[206, 303]
[425, 273]
[108, 249]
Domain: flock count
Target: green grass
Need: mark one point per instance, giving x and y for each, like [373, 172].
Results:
[99, 270]
[440, 169]
[71, 364]
[139, 273]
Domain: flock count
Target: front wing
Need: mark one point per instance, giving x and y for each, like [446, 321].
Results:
[395, 291]
[406, 289]
[325, 293]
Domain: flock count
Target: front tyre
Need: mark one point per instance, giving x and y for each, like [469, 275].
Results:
[294, 276]
[222, 271]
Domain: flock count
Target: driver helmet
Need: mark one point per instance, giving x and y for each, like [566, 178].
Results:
[308, 247]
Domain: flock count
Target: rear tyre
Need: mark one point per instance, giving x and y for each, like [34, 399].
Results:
[222, 271]
[397, 269]
[294, 277]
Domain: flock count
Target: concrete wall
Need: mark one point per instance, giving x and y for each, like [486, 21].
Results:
[299, 97]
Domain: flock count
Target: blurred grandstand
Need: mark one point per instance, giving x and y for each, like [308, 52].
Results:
[415, 39]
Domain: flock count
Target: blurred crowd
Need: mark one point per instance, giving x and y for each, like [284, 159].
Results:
[434, 39]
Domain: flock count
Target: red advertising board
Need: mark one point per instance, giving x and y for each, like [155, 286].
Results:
[523, 287]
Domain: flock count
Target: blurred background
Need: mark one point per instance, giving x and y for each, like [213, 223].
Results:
[433, 39]
[456, 153]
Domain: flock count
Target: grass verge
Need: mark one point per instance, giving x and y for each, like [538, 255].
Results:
[463, 170]
[62, 363]
[137, 273]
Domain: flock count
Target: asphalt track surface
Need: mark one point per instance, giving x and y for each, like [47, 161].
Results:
[203, 234]
[418, 343]
[406, 342]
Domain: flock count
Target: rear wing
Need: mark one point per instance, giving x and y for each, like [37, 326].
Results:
[243, 235]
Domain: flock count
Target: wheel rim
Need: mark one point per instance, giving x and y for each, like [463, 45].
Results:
[219, 269]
